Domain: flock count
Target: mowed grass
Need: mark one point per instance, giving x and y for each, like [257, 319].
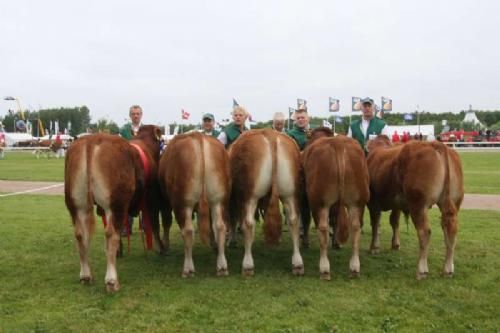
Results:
[481, 170]
[40, 291]
[25, 166]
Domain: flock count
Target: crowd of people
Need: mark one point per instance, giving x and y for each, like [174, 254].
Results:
[361, 130]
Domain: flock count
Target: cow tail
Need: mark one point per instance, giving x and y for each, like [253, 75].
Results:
[342, 225]
[203, 209]
[448, 207]
[272, 216]
[90, 195]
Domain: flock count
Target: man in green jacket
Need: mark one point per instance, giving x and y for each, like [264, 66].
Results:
[129, 130]
[300, 128]
[208, 125]
[369, 126]
[232, 131]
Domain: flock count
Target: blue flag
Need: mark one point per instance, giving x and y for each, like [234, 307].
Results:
[408, 117]
[338, 119]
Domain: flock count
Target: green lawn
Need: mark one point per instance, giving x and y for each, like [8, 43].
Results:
[25, 166]
[481, 170]
[40, 292]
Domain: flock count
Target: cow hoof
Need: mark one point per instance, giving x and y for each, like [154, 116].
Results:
[395, 247]
[188, 274]
[298, 270]
[353, 274]
[374, 250]
[325, 276]
[85, 279]
[222, 272]
[112, 286]
[422, 275]
[448, 275]
[247, 272]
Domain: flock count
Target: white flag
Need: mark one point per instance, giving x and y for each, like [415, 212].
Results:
[326, 123]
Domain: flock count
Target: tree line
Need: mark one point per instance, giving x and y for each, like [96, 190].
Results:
[79, 117]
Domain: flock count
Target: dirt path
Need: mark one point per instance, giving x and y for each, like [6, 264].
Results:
[9, 188]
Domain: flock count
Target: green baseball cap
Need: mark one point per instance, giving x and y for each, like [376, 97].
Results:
[367, 100]
[208, 116]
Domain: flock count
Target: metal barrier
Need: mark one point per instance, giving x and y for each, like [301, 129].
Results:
[474, 146]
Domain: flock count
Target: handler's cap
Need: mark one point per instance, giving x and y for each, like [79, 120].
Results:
[367, 100]
[208, 116]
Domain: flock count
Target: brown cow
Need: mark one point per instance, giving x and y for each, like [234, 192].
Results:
[108, 171]
[194, 175]
[411, 178]
[265, 166]
[336, 175]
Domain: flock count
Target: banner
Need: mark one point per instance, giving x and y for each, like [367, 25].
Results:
[301, 103]
[386, 104]
[334, 105]
[356, 104]
[408, 117]
[326, 123]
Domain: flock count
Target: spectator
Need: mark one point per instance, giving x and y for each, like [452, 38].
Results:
[208, 125]
[395, 137]
[279, 122]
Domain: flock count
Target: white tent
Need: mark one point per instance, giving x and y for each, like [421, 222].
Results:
[13, 138]
[426, 130]
[470, 117]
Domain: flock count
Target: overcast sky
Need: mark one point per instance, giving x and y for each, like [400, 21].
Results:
[198, 55]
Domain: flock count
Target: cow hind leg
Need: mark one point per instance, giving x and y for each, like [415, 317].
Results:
[354, 216]
[83, 222]
[219, 235]
[248, 227]
[394, 218]
[187, 231]
[112, 231]
[292, 220]
[375, 222]
[321, 220]
[421, 221]
[449, 224]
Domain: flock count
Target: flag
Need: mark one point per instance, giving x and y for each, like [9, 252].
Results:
[301, 104]
[338, 119]
[326, 123]
[291, 111]
[185, 114]
[378, 112]
[9, 98]
[334, 105]
[386, 104]
[408, 117]
[356, 104]
[235, 103]
[11, 112]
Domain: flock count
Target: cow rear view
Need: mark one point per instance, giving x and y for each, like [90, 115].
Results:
[265, 167]
[194, 175]
[336, 176]
[412, 178]
[107, 171]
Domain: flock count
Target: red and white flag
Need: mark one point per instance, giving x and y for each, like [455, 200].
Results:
[185, 114]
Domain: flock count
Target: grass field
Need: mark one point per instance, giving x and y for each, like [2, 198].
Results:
[40, 292]
[481, 170]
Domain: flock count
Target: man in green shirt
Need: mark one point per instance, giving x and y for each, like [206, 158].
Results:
[208, 125]
[369, 126]
[300, 127]
[232, 131]
[129, 130]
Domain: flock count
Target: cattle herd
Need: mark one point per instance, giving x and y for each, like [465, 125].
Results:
[332, 180]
